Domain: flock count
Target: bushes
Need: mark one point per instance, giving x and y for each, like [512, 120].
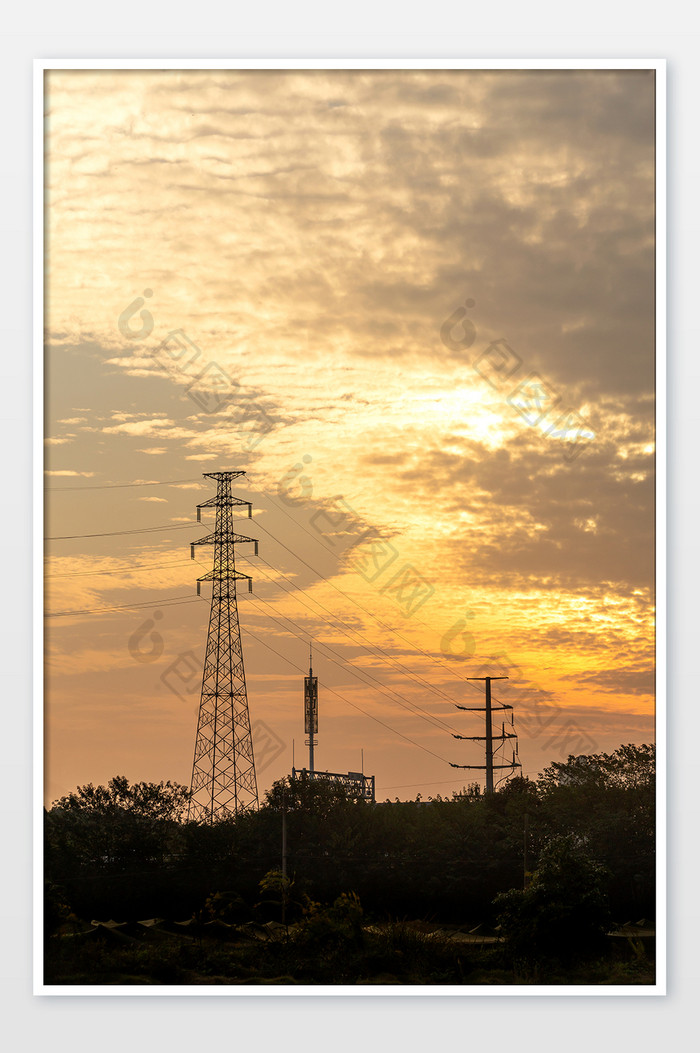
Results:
[563, 914]
[122, 851]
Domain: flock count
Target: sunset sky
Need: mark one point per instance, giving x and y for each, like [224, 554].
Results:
[364, 289]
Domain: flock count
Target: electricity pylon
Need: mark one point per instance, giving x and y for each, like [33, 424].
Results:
[489, 738]
[223, 770]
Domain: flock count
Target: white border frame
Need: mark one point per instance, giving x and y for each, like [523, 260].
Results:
[41, 66]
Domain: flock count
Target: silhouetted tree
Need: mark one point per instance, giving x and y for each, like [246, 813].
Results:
[563, 913]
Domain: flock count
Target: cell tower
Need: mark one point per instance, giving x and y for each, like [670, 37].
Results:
[489, 738]
[359, 785]
[311, 710]
[223, 771]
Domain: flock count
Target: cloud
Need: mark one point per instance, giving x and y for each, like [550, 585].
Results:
[307, 234]
[68, 472]
[618, 680]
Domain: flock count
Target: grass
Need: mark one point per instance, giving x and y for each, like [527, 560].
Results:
[397, 952]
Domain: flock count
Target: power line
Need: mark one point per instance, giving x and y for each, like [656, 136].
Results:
[116, 486]
[412, 785]
[379, 622]
[120, 570]
[120, 533]
[414, 707]
[433, 719]
[351, 599]
[347, 700]
[436, 721]
[408, 706]
[317, 538]
[173, 601]
[377, 647]
[372, 648]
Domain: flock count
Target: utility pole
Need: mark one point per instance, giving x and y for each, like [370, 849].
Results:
[223, 769]
[284, 833]
[311, 709]
[285, 887]
[526, 874]
[489, 737]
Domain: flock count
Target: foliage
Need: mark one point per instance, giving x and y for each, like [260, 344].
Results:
[165, 801]
[330, 927]
[629, 768]
[563, 913]
[308, 796]
[116, 824]
[276, 889]
[126, 852]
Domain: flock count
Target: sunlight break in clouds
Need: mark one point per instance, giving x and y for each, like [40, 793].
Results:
[308, 233]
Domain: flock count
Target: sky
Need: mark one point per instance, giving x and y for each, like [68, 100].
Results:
[417, 308]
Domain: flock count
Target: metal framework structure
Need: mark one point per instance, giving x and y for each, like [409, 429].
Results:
[360, 786]
[311, 710]
[489, 738]
[223, 770]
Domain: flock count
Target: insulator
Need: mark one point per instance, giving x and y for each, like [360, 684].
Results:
[192, 551]
[199, 588]
[256, 548]
[199, 514]
[250, 584]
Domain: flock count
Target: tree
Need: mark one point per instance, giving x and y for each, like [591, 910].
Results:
[115, 825]
[164, 800]
[630, 767]
[610, 800]
[314, 797]
[563, 913]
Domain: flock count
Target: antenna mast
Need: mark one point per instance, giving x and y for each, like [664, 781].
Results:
[311, 709]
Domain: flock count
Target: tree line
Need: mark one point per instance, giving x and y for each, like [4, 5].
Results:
[126, 851]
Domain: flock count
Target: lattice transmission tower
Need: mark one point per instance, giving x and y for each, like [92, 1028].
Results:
[223, 771]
